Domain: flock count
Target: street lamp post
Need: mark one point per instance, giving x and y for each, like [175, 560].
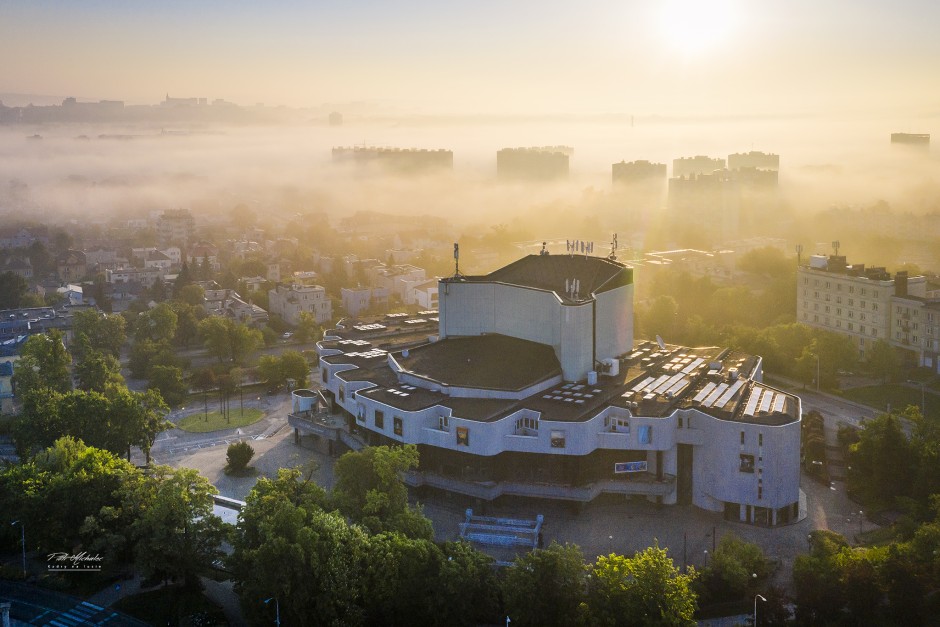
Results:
[277, 609]
[861, 514]
[755, 607]
[23, 542]
[706, 558]
[817, 373]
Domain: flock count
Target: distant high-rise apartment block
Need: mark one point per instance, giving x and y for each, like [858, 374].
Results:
[404, 160]
[336, 119]
[638, 171]
[176, 226]
[920, 140]
[184, 102]
[753, 159]
[693, 166]
[535, 164]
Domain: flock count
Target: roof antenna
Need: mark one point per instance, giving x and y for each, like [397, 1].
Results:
[544, 252]
[835, 246]
[613, 248]
[799, 254]
[457, 260]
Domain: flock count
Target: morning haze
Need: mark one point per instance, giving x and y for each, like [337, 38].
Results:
[610, 288]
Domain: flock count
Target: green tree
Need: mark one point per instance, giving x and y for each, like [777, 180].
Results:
[168, 380]
[307, 329]
[98, 370]
[54, 492]
[44, 363]
[370, 489]
[145, 354]
[818, 593]
[882, 446]
[204, 380]
[730, 575]
[157, 324]
[646, 589]
[226, 339]
[769, 262]
[546, 587]
[175, 533]
[883, 361]
[227, 388]
[103, 332]
[286, 546]
[192, 295]
[187, 322]
[183, 278]
[238, 456]
[13, 289]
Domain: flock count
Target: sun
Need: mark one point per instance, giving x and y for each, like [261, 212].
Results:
[695, 27]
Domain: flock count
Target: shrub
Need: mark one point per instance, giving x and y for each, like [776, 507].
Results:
[238, 456]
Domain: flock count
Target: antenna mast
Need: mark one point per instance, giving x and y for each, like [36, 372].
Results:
[799, 253]
[613, 248]
[456, 260]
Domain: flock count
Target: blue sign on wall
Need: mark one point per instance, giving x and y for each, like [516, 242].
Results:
[630, 467]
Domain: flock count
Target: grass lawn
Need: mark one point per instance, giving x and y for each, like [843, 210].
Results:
[197, 423]
[878, 396]
[167, 606]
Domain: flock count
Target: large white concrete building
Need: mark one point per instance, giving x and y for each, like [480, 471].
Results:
[528, 383]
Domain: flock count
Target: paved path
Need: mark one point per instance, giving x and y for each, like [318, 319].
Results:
[37, 606]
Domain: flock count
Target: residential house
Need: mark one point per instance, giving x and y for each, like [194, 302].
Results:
[289, 301]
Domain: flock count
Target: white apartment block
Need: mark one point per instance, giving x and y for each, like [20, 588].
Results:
[851, 299]
[289, 301]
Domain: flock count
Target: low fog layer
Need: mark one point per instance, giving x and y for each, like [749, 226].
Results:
[73, 172]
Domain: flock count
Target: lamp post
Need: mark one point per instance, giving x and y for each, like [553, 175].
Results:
[277, 609]
[757, 596]
[861, 515]
[706, 558]
[817, 373]
[23, 542]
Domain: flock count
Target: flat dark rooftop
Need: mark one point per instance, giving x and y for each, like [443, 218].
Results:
[550, 272]
[490, 361]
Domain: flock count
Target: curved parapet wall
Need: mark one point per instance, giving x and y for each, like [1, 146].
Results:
[303, 400]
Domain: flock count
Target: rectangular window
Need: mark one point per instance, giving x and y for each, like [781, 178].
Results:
[618, 425]
[379, 419]
[463, 436]
[645, 434]
[760, 492]
[558, 439]
[680, 422]
[746, 463]
[398, 426]
[760, 439]
[326, 375]
[742, 437]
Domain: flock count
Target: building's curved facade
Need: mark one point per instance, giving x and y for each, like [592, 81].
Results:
[527, 386]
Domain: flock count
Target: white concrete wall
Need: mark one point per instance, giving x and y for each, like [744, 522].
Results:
[614, 322]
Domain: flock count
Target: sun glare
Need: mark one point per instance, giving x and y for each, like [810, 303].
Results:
[694, 27]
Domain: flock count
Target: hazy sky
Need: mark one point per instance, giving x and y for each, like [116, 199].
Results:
[455, 56]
